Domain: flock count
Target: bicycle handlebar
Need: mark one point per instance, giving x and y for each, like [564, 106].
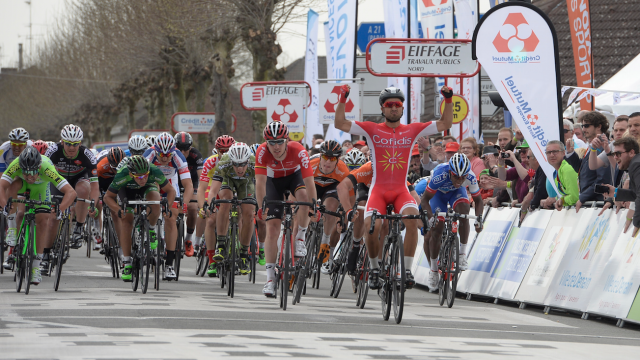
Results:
[458, 216]
[234, 201]
[392, 217]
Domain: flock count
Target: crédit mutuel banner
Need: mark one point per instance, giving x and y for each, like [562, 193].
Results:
[286, 103]
[580, 25]
[518, 49]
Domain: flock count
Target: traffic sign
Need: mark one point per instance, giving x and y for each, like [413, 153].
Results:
[368, 31]
[460, 108]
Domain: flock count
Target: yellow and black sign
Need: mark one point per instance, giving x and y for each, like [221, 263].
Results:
[296, 136]
[460, 108]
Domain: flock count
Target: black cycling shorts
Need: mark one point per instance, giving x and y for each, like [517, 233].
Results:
[275, 191]
[73, 181]
[363, 193]
[329, 191]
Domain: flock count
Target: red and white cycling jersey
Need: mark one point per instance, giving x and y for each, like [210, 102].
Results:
[297, 159]
[390, 157]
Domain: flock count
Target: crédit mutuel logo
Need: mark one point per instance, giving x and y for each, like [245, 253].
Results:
[436, 7]
[524, 109]
[517, 41]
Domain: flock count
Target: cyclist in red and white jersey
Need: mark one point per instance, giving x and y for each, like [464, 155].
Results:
[391, 143]
[282, 165]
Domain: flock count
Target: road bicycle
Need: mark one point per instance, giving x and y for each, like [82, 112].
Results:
[89, 227]
[202, 260]
[228, 267]
[60, 251]
[3, 244]
[449, 255]
[392, 271]
[286, 264]
[253, 253]
[180, 239]
[110, 243]
[313, 241]
[361, 276]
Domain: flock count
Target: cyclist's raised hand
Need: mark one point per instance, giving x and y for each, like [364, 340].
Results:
[344, 93]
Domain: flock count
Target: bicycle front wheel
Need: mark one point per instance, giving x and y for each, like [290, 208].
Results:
[234, 258]
[60, 252]
[363, 283]
[88, 236]
[286, 266]
[384, 292]
[179, 246]
[443, 281]
[30, 256]
[145, 258]
[454, 252]
[398, 278]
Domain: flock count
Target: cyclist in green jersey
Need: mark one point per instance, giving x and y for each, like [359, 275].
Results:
[30, 173]
[235, 173]
[137, 180]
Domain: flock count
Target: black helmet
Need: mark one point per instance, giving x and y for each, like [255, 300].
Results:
[183, 140]
[138, 165]
[114, 156]
[389, 93]
[30, 160]
[331, 148]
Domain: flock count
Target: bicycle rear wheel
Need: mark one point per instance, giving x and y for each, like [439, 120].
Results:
[384, 292]
[2, 241]
[59, 252]
[454, 252]
[317, 264]
[179, 246]
[398, 276]
[204, 261]
[18, 265]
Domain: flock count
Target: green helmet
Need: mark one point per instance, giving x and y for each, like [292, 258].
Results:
[138, 164]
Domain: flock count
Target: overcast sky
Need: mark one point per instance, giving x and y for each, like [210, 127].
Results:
[14, 29]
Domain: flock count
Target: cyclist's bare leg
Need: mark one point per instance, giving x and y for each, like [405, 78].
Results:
[358, 225]
[125, 239]
[262, 231]
[200, 226]
[170, 229]
[210, 234]
[83, 191]
[330, 204]
[372, 241]
[302, 216]
[463, 224]
[99, 206]
[411, 232]
[425, 244]
[246, 230]
[42, 238]
[190, 223]
[271, 247]
[436, 238]
[155, 209]
[223, 212]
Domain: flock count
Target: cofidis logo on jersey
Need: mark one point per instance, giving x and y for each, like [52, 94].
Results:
[516, 41]
[523, 109]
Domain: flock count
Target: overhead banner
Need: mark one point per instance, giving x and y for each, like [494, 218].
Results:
[580, 25]
[329, 96]
[584, 261]
[253, 95]
[284, 103]
[342, 43]
[518, 49]
[313, 125]
[395, 26]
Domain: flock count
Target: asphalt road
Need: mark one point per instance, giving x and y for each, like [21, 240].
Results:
[94, 316]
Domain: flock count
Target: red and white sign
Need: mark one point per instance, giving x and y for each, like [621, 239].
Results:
[253, 95]
[286, 106]
[329, 96]
[421, 58]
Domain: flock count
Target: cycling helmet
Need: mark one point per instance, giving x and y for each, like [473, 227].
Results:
[224, 142]
[331, 148]
[151, 140]
[71, 133]
[183, 141]
[254, 149]
[137, 145]
[114, 156]
[18, 134]
[30, 160]
[390, 92]
[138, 165]
[50, 143]
[214, 151]
[41, 146]
[239, 153]
[123, 163]
[94, 152]
[165, 143]
[276, 130]
[459, 164]
[354, 158]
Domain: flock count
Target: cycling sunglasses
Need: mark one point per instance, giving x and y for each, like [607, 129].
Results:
[140, 177]
[275, 142]
[163, 155]
[31, 172]
[18, 143]
[243, 164]
[72, 144]
[222, 151]
[353, 167]
[330, 158]
[390, 104]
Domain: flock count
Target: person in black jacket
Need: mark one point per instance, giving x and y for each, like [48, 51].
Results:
[626, 152]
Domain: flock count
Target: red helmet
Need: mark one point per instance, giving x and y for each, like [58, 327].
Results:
[41, 146]
[276, 130]
[224, 142]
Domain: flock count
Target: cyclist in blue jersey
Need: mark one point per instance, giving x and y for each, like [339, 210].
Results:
[448, 186]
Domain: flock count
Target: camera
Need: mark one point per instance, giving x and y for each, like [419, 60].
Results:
[504, 155]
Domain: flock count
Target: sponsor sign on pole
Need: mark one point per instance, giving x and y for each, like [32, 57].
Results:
[517, 46]
[421, 58]
[342, 42]
[580, 25]
[194, 123]
[460, 108]
[253, 95]
[436, 17]
[329, 101]
[286, 106]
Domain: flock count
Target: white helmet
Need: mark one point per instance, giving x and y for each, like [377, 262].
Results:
[71, 133]
[459, 164]
[214, 151]
[151, 140]
[18, 134]
[254, 149]
[138, 144]
[355, 158]
[165, 143]
[50, 143]
[239, 153]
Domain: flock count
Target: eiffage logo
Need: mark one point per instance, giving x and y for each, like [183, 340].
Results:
[395, 54]
[516, 35]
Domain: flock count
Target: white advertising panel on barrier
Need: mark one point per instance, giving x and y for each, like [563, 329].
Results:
[486, 250]
[616, 287]
[517, 254]
[584, 261]
[329, 101]
[561, 228]
[285, 103]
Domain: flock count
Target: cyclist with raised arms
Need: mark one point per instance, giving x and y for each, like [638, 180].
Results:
[448, 186]
[30, 173]
[77, 164]
[138, 180]
[235, 173]
[391, 144]
[282, 165]
[195, 162]
[328, 171]
[222, 145]
[173, 165]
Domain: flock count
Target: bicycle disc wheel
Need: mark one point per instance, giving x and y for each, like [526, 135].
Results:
[384, 292]
[398, 282]
[455, 272]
